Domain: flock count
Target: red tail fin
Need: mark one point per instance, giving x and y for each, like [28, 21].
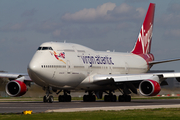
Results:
[143, 44]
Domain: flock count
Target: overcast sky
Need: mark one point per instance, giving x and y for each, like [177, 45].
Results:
[98, 24]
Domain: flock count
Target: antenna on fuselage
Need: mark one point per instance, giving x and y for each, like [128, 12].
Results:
[64, 41]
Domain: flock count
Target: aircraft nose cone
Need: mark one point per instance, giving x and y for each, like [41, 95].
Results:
[33, 66]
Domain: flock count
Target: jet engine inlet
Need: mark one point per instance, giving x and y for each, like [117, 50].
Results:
[149, 88]
[16, 88]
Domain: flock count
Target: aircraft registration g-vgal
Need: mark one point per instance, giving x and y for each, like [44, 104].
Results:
[62, 67]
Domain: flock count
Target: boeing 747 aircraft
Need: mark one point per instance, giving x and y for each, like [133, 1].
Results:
[62, 67]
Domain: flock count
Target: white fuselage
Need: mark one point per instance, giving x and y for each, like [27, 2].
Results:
[70, 66]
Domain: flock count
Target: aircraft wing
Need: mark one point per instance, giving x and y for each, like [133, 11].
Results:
[99, 78]
[16, 76]
[17, 85]
[148, 83]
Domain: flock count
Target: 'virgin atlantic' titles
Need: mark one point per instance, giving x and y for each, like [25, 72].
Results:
[97, 60]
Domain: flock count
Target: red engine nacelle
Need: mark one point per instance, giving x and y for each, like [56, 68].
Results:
[149, 88]
[16, 88]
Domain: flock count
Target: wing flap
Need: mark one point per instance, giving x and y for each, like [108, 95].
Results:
[171, 75]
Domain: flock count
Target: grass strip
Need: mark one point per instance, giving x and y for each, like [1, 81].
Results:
[147, 114]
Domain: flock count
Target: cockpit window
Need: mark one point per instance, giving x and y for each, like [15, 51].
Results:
[39, 48]
[50, 48]
[45, 48]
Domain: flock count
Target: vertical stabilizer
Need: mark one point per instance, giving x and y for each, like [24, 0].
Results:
[143, 44]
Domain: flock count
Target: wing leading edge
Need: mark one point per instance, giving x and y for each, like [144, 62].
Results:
[16, 76]
[106, 79]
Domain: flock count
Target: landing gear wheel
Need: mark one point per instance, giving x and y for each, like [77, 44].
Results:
[68, 98]
[128, 98]
[114, 98]
[121, 98]
[60, 98]
[110, 98]
[51, 99]
[124, 98]
[64, 98]
[89, 98]
[48, 97]
[93, 98]
[45, 99]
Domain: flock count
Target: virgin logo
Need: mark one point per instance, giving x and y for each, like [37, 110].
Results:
[145, 38]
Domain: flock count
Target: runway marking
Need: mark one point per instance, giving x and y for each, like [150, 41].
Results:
[116, 108]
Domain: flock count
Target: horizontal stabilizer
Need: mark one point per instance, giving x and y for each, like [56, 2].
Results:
[163, 61]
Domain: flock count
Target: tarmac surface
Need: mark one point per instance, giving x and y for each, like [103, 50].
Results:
[19, 107]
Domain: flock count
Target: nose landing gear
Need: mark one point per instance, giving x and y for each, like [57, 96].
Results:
[48, 97]
[62, 98]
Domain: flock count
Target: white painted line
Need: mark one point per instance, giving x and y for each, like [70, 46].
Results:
[116, 108]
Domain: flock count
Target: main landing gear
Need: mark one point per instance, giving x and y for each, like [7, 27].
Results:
[113, 98]
[65, 97]
[107, 98]
[124, 98]
[86, 98]
[110, 98]
[90, 97]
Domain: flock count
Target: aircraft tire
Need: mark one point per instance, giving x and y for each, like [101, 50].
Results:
[51, 99]
[124, 98]
[85, 99]
[45, 99]
[110, 98]
[121, 98]
[89, 98]
[93, 98]
[67, 98]
[113, 98]
[127, 98]
[105, 98]
[64, 98]
[61, 98]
